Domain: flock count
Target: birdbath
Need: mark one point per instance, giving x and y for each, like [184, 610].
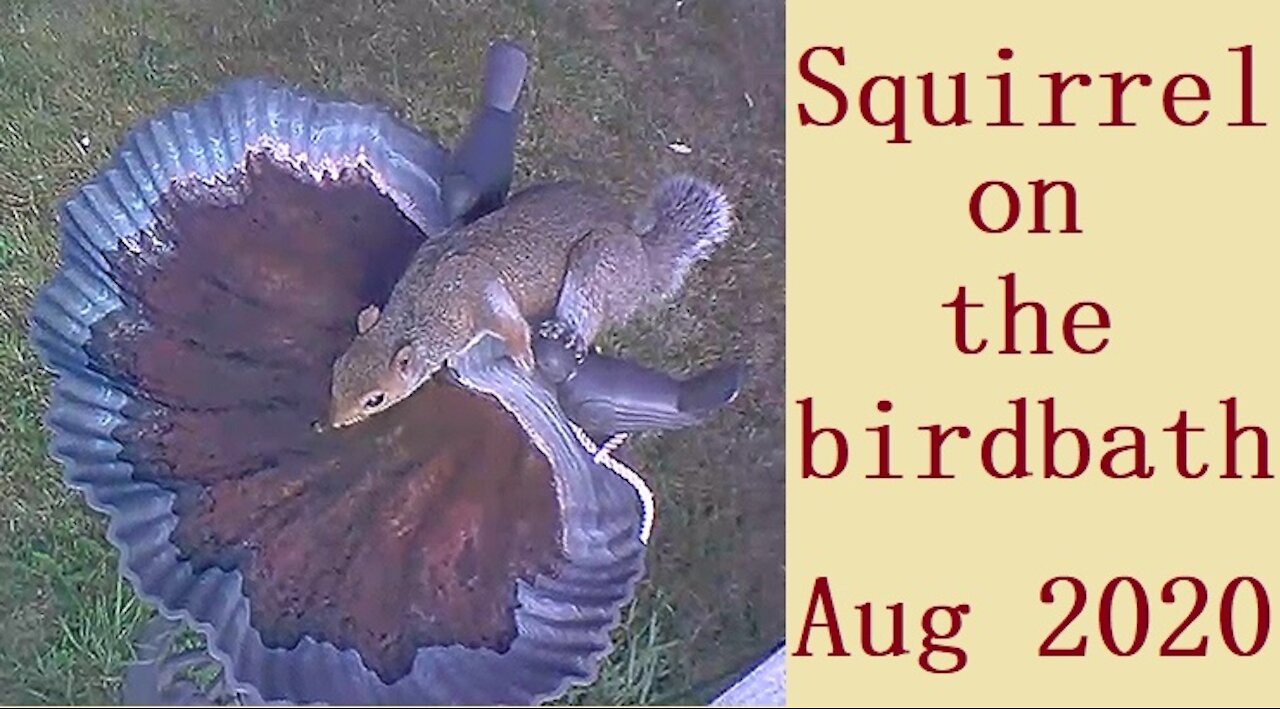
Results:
[469, 545]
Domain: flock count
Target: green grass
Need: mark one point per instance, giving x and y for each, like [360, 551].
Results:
[612, 84]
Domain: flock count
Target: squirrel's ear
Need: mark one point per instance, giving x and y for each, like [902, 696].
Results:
[402, 360]
[367, 319]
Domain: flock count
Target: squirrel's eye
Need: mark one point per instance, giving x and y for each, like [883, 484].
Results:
[375, 400]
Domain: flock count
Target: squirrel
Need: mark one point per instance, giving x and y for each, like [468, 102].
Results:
[560, 247]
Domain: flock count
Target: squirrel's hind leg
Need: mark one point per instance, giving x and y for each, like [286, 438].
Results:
[605, 282]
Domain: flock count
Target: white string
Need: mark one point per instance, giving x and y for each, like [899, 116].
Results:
[611, 445]
[603, 456]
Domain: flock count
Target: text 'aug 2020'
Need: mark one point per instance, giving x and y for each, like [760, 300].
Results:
[1185, 618]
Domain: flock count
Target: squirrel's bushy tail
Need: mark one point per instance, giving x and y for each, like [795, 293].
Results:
[685, 220]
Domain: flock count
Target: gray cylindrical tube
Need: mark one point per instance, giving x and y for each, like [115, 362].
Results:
[481, 171]
[606, 395]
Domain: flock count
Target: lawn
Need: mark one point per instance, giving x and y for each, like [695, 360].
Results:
[613, 85]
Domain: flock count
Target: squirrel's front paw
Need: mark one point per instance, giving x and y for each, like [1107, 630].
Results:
[521, 353]
[525, 361]
[559, 331]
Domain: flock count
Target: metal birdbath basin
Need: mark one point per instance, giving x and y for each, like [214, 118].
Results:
[463, 547]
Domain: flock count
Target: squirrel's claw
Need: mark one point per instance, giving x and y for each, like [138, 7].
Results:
[559, 331]
[524, 359]
[553, 329]
[526, 363]
[554, 361]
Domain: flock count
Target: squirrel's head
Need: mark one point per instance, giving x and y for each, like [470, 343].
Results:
[377, 372]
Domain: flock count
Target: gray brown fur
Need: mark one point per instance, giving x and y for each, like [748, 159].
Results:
[561, 247]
